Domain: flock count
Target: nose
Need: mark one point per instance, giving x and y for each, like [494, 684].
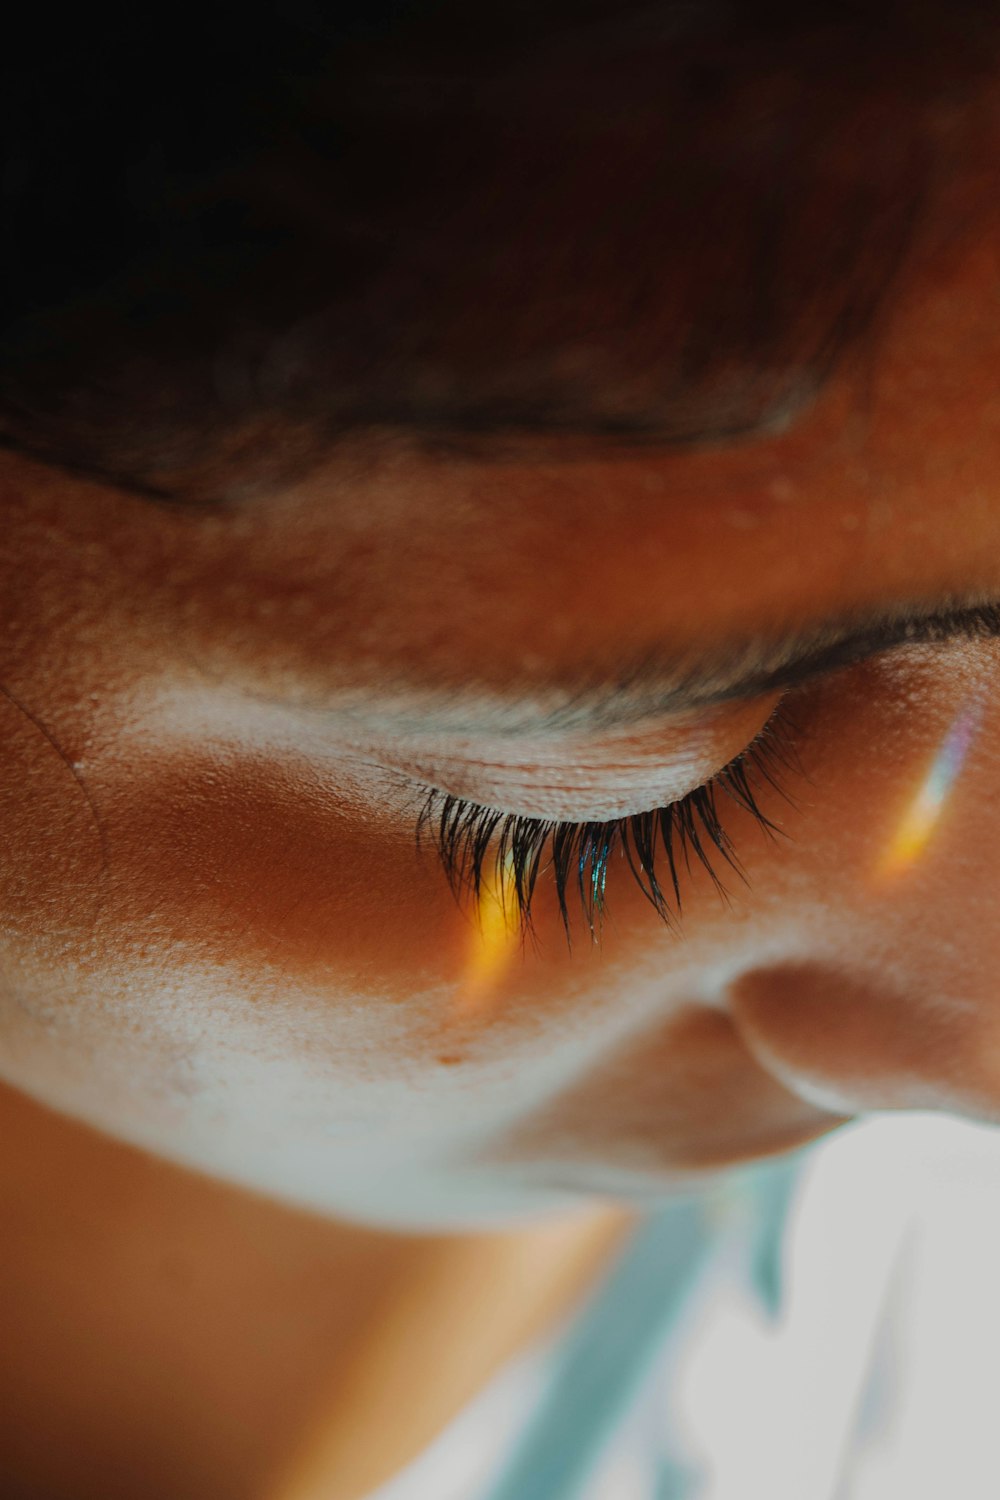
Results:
[850, 1041]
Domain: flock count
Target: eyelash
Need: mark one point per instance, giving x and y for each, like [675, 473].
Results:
[480, 846]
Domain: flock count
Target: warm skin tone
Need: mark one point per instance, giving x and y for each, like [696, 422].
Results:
[220, 942]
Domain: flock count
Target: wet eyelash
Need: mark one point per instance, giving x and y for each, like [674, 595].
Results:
[481, 846]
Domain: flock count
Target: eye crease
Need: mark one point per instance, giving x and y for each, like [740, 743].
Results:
[480, 846]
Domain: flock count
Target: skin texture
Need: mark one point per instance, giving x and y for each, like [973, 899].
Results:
[221, 942]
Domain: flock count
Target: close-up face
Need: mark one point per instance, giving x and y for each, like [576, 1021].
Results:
[454, 830]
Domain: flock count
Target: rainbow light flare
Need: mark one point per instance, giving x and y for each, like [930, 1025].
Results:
[924, 811]
[495, 937]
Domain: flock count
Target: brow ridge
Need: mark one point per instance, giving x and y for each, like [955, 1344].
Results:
[665, 682]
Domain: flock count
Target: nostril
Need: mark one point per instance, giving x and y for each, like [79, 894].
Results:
[848, 1040]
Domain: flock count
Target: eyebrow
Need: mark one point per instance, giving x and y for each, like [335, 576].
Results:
[664, 682]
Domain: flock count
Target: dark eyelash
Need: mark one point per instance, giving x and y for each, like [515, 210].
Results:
[475, 844]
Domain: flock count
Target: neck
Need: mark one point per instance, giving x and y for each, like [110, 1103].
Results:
[209, 1342]
[456, 1311]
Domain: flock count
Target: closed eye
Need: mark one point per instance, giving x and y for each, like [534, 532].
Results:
[483, 847]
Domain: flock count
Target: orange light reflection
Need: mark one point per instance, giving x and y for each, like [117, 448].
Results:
[493, 940]
[924, 811]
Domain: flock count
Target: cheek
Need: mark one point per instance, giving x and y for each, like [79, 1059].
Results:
[226, 931]
[228, 957]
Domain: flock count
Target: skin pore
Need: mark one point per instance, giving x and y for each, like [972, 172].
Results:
[222, 943]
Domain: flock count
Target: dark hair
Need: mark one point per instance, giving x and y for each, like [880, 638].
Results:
[227, 247]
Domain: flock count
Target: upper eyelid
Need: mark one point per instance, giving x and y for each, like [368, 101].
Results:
[980, 622]
[464, 834]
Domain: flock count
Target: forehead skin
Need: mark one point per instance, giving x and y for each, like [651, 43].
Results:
[357, 574]
[219, 938]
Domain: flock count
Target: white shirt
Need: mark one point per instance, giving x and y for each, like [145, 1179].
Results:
[822, 1328]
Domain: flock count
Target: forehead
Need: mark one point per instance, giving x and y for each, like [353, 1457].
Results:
[492, 567]
[661, 220]
[548, 550]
